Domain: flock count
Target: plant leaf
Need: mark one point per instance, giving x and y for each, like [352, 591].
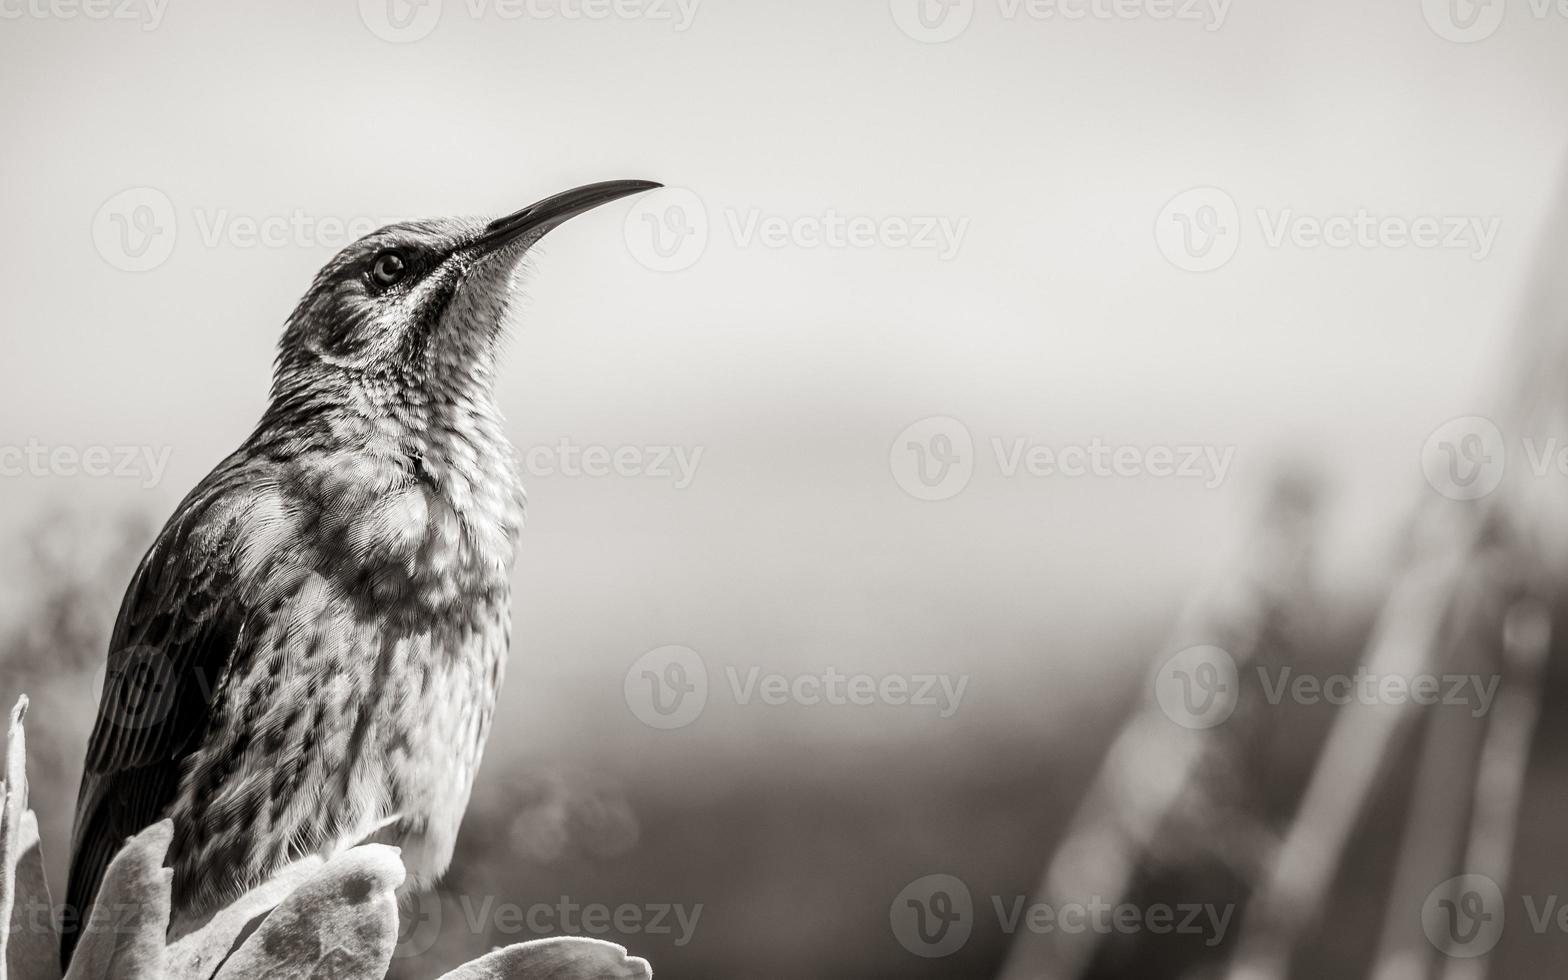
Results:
[125, 933]
[341, 923]
[29, 944]
[197, 949]
[562, 958]
[33, 950]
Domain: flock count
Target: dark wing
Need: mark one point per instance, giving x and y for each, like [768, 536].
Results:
[181, 627]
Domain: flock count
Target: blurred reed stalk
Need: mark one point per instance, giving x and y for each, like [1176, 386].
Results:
[1475, 597]
[1162, 787]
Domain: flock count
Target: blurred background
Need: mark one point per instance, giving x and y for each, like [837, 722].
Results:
[1063, 378]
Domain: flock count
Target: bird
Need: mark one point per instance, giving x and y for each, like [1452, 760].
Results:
[308, 656]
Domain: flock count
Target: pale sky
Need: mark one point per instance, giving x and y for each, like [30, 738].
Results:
[1043, 149]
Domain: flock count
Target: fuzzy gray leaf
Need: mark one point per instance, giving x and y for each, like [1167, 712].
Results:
[340, 924]
[565, 958]
[32, 950]
[28, 944]
[197, 949]
[124, 939]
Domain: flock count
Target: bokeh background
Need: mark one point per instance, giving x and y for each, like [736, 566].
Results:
[148, 149]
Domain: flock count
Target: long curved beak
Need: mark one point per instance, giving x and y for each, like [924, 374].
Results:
[537, 219]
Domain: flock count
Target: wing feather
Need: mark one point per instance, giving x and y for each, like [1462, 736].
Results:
[183, 627]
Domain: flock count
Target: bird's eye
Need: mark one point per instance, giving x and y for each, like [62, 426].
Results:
[388, 269]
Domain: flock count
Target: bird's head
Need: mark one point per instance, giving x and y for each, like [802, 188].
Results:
[410, 315]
